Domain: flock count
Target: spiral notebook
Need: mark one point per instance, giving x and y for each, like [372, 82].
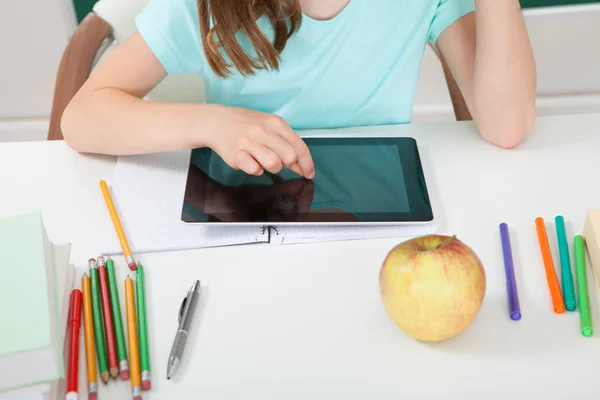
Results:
[148, 192]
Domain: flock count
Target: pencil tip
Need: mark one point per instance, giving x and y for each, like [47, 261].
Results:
[104, 377]
[114, 372]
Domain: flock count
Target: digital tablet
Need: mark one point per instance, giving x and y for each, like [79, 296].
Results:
[357, 180]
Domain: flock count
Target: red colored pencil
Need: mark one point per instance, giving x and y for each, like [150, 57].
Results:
[74, 327]
[109, 330]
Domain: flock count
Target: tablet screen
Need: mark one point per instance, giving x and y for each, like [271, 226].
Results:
[356, 180]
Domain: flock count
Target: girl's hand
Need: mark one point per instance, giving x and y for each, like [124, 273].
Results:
[253, 141]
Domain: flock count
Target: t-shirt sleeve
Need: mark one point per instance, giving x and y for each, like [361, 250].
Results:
[171, 30]
[447, 12]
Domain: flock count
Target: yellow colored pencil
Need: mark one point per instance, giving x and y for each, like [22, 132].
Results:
[88, 329]
[134, 352]
[117, 224]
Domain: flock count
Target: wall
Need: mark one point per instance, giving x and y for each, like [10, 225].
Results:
[31, 44]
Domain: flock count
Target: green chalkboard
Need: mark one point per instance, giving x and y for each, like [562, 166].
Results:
[551, 3]
[83, 7]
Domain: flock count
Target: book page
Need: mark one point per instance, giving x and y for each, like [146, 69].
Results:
[64, 273]
[148, 192]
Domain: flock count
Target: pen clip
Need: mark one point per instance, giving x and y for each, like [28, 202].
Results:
[181, 310]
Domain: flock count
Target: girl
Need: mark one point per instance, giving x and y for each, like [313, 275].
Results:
[273, 66]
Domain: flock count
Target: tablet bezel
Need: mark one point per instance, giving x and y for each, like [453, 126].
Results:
[421, 210]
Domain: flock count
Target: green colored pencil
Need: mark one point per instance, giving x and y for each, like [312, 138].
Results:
[142, 327]
[582, 289]
[117, 320]
[98, 327]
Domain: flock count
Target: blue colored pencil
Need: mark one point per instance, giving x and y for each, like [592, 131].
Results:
[511, 283]
[565, 264]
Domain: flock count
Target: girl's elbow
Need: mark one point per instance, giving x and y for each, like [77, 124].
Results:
[70, 127]
[511, 129]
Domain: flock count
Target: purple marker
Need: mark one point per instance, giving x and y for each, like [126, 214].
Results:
[511, 284]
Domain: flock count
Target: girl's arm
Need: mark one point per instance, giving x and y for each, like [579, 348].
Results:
[109, 116]
[490, 57]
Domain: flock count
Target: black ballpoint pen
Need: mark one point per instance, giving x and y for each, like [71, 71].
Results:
[186, 314]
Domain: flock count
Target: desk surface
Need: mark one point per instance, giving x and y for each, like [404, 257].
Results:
[306, 321]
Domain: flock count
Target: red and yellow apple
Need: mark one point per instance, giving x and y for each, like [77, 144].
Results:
[432, 287]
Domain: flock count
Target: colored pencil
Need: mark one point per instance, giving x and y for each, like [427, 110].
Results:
[117, 225]
[555, 294]
[565, 263]
[88, 330]
[107, 318]
[98, 327]
[511, 284]
[74, 329]
[143, 327]
[132, 335]
[582, 288]
[117, 320]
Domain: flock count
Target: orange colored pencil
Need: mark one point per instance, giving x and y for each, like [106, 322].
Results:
[117, 224]
[88, 330]
[132, 336]
[555, 293]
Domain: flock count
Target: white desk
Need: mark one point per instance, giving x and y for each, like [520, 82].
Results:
[285, 323]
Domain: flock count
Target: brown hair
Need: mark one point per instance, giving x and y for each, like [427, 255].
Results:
[230, 16]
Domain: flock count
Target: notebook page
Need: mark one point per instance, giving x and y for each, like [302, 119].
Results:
[148, 192]
[309, 234]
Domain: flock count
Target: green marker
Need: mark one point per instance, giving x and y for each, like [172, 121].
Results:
[98, 326]
[142, 327]
[565, 263]
[584, 300]
[117, 320]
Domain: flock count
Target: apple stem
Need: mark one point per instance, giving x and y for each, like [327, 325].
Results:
[446, 241]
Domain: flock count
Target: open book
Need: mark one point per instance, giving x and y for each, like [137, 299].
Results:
[148, 192]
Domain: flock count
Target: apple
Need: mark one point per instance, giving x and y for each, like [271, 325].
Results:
[432, 287]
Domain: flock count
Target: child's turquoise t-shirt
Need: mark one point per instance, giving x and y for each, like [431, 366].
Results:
[359, 68]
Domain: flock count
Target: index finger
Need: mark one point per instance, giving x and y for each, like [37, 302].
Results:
[305, 160]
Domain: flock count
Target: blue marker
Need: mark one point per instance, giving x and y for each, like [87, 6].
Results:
[565, 264]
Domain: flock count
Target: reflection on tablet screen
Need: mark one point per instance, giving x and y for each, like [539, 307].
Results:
[355, 180]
